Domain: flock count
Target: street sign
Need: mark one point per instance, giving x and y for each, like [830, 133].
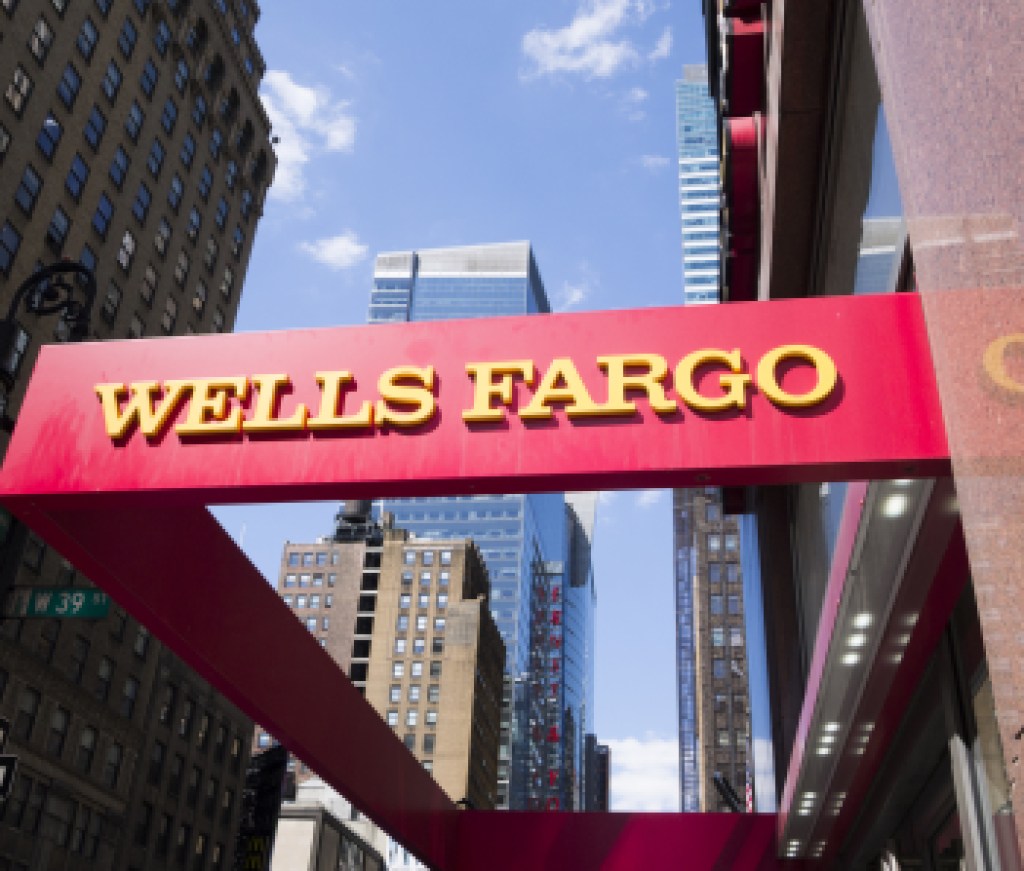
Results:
[56, 602]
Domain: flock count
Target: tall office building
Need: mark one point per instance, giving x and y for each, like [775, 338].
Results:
[710, 663]
[524, 539]
[131, 139]
[699, 186]
[409, 620]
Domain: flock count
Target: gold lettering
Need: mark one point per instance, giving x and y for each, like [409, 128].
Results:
[333, 386]
[767, 370]
[995, 362]
[418, 396]
[486, 389]
[561, 384]
[268, 396]
[649, 381]
[151, 418]
[210, 412]
[734, 382]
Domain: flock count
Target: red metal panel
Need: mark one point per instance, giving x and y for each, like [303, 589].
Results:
[616, 842]
[883, 415]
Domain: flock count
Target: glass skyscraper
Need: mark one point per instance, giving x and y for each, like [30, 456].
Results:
[699, 186]
[531, 543]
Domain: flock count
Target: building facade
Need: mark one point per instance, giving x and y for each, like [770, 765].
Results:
[524, 539]
[409, 621]
[891, 720]
[699, 185]
[131, 140]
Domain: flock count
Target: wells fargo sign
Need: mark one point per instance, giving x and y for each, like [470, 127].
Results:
[120, 446]
[655, 397]
[408, 394]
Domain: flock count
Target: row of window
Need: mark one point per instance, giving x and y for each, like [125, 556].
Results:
[402, 623]
[426, 578]
[731, 570]
[181, 845]
[423, 601]
[314, 601]
[72, 826]
[718, 636]
[412, 717]
[310, 558]
[419, 645]
[426, 557]
[314, 579]
[717, 604]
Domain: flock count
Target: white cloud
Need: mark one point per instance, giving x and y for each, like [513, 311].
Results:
[654, 162]
[649, 498]
[337, 252]
[663, 47]
[570, 296]
[305, 120]
[633, 102]
[645, 774]
[590, 44]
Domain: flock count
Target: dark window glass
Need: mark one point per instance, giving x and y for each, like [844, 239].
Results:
[169, 115]
[10, 241]
[127, 38]
[104, 213]
[140, 208]
[95, 127]
[112, 81]
[162, 38]
[181, 76]
[28, 190]
[133, 123]
[87, 37]
[119, 167]
[69, 85]
[188, 150]
[57, 232]
[149, 77]
[156, 158]
[175, 191]
[77, 177]
[49, 136]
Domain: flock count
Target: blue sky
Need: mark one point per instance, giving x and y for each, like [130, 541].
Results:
[411, 125]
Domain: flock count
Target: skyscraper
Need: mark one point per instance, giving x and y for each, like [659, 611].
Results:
[132, 140]
[699, 186]
[524, 539]
[711, 669]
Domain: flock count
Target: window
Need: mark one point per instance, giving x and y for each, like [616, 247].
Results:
[49, 136]
[402, 623]
[404, 600]
[112, 302]
[111, 81]
[126, 252]
[428, 557]
[87, 37]
[227, 282]
[28, 190]
[141, 645]
[433, 693]
[149, 78]
[246, 205]
[19, 90]
[437, 645]
[718, 636]
[416, 669]
[136, 328]
[431, 718]
[392, 718]
[714, 573]
[59, 721]
[162, 38]
[103, 6]
[40, 39]
[169, 116]
[230, 175]
[435, 668]
[419, 646]
[716, 604]
[216, 141]
[119, 167]
[400, 645]
[735, 636]
[140, 208]
[421, 623]
[411, 717]
[188, 150]
[395, 694]
[718, 668]
[181, 268]
[397, 669]
[155, 161]
[95, 127]
[133, 123]
[221, 215]
[712, 512]
[714, 542]
[57, 232]
[144, 822]
[734, 604]
[127, 39]
[414, 692]
[199, 111]
[175, 192]
[210, 260]
[732, 542]
[188, 712]
[129, 696]
[301, 601]
[78, 175]
[5, 141]
[205, 183]
[424, 600]
[148, 287]
[425, 579]
[442, 601]
[181, 76]
[86, 749]
[162, 237]
[170, 315]
[195, 221]
[79, 654]
[733, 573]
[446, 557]
[25, 718]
